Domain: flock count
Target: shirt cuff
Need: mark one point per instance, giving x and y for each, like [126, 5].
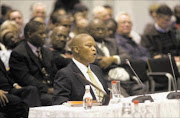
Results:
[117, 58]
[14, 84]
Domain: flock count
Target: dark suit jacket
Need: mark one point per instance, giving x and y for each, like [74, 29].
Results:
[69, 86]
[26, 67]
[160, 43]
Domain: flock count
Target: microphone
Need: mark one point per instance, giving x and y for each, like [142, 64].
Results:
[143, 98]
[106, 97]
[173, 95]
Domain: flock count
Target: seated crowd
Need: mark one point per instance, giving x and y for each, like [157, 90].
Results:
[43, 62]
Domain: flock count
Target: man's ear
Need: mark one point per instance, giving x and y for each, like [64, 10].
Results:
[29, 34]
[76, 49]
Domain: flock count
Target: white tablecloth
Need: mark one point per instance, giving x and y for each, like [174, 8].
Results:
[161, 108]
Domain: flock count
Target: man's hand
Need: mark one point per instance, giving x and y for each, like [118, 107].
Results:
[51, 90]
[3, 98]
[106, 61]
[17, 86]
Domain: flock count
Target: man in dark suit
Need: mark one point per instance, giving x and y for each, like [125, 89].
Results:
[14, 99]
[69, 84]
[31, 63]
[59, 38]
[112, 59]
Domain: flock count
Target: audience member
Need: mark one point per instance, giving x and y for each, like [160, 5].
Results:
[8, 24]
[4, 11]
[79, 25]
[38, 10]
[59, 38]
[17, 16]
[69, 85]
[32, 64]
[109, 9]
[10, 39]
[125, 41]
[100, 12]
[111, 25]
[15, 99]
[152, 12]
[160, 39]
[111, 58]
[67, 5]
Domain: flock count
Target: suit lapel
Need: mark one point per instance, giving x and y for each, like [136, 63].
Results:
[77, 72]
[33, 56]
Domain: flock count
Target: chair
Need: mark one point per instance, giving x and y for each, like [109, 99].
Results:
[140, 68]
[161, 74]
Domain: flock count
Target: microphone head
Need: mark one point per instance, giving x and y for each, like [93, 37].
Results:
[169, 55]
[127, 62]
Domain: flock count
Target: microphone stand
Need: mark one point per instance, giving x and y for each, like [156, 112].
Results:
[173, 95]
[145, 97]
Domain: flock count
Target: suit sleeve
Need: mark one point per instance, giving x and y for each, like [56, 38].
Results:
[20, 71]
[62, 88]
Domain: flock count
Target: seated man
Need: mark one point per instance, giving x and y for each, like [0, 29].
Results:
[161, 39]
[10, 40]
[112, 59]
[14, 99]
[58, 40]
[125, 39]
[32, 64]
[68, 84]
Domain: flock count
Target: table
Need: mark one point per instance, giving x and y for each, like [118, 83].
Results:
[161, 108]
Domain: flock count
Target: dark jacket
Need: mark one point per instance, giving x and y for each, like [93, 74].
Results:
[27, 69]
[69, 86]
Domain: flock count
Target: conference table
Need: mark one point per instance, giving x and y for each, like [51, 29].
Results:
[160, 108]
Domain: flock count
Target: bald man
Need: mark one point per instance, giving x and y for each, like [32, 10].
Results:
[69, 85]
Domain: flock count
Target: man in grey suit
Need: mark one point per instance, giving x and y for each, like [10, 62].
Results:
[31, 63]
[69, 84]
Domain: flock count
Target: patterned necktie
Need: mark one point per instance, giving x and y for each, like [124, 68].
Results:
[93, 80]
[39, 53]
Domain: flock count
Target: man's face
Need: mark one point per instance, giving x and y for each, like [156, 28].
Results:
[87, 50]
[17, 17]
[124, 25]
[11, 40]
[59, 38]
[37, 38]
[39, 11]
[66, 23]
[111, 29]
[163, 21]
[98, 30]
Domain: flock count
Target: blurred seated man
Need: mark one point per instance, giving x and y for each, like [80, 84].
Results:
[17, 16]
[125, 40]
[10, 39]
[111, 58]
[111, 25]
[99, 12]
[152, 12]
[14, 99]
[160, 39]
[58, 38]
[38, 10]
[69, 84]
[32, 64]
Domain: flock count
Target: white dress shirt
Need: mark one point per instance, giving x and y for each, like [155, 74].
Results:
[84, 69]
